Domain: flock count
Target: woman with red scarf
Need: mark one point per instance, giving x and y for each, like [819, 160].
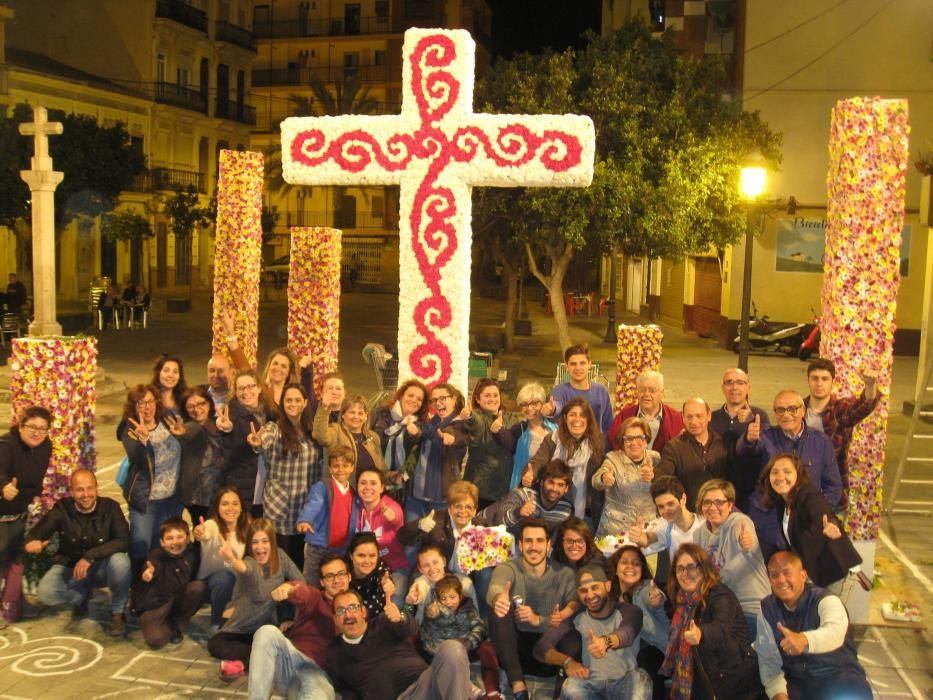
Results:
[709, 653]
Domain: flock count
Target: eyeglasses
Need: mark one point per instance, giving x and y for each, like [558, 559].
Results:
[440, 399]
[37, 429]
[574, 543]
[344, 609]
[330, 578]
[462, 507]
[247, 387]
[789, 410]
[145, 402]
[687, 568]
[197, 404]
[735, 382]
[530, 404]
[709, 502]
[629, 439]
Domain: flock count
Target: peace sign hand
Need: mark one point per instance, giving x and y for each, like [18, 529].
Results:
[176, 426]
[223, 422]
[254, 439]
[139, 431]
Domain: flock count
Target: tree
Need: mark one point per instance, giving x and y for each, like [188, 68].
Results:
[130, 227]
[668, 145]
[184, 207]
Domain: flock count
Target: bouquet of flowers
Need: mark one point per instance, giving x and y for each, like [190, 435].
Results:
[481, 547]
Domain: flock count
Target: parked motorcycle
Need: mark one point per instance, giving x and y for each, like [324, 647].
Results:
[811, 344]
[765, 336]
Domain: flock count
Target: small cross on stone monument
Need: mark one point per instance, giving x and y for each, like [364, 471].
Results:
[42, 181]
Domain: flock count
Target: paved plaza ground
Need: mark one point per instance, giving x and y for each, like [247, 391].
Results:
[47, 657]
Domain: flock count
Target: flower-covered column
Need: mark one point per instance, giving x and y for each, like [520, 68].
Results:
[314, 298]
[867, 169]
[58, 373]
[238, 249]
[639, 349]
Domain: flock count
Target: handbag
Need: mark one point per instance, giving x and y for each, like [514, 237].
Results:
[123, 472]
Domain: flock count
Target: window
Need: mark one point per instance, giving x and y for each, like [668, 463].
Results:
[379, 57]
[382, 10]
[183, 77]
[160, 68]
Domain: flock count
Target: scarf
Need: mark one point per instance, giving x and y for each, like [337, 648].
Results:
[429, 474]
[578, 463]
[523, 452]
[678, 657]
[394, 453]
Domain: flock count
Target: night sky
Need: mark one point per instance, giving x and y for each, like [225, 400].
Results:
[533, 25]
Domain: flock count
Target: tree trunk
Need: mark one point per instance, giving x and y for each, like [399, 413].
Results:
[510, 275]
[560, 256]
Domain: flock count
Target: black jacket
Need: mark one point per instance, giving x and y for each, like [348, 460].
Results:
[242, 461]
[92, 536]
[172, 574]
[27, 464]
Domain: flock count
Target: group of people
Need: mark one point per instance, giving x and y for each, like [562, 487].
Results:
[325, 538]
[117, 307]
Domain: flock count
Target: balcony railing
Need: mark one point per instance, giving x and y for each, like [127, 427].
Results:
[180, 96]
[231, 33]
[363, 219]
[181, 12]
[283, 29]
[265, 77]
[173, 179]
[227, 109]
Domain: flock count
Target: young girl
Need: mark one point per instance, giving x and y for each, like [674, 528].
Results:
[292, 461]
[352, 431]
[168, 376]
[369, 576]
[264, 568]
[489, 464]
[383, 517]
[226, 525]
[452, 616]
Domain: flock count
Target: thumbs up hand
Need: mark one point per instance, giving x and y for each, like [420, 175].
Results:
[794, 643]
[754, 430]
[655, 597]
[388, 514]
[528, 476]
[447, 439]
[693, 635]
[746, 540]
[597, 646]
[497, 424]
[199, 529]
[744, 413]
[148, 572]
[529, 507]
[427, 523]
[609, 476]
[503, 602]
[646, 470]
[10, 491]
[831, 530]
[556, 617]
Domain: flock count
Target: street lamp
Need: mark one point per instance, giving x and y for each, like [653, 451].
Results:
[611, 332]
[752, 180]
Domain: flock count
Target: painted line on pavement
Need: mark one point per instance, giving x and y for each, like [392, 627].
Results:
[109, 468]
[898, 666]
[903, 559]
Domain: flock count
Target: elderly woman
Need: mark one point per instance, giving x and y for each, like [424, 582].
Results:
[578, 442]
[525, 437]
[154, 455]
[626, 477]
[24, 458]
[709, 652]
[798, 511]
[730, 540]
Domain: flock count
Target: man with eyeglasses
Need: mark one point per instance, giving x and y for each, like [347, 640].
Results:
[731, 420]
[837, 416]
[93, 545]
[665, 422]
[375, 660]
[792, 435]
[696, 455]
[295, 663]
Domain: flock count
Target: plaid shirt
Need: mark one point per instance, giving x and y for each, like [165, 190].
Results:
[289, 477]
[840, 417]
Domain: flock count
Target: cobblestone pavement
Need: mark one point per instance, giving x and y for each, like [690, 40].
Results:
[48, 656]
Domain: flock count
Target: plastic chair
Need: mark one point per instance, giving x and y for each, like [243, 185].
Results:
[9, 325]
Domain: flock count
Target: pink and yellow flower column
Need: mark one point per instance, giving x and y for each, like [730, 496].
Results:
[314, 298]
[867, 170]
[639, 349]
[58, 373]
[238, 249]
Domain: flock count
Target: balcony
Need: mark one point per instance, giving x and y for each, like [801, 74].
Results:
[325, 74]
[359, 220]
[232, 34]
[180, 96]
[227, 109]
[173, 179]
[290, 28]
[181, 12]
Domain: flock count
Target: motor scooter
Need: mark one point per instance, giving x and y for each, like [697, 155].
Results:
[811, 344]
[765, 336]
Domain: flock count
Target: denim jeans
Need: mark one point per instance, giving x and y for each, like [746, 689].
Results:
[220, 587]
[634, 685]
[57, 587]
[275, 663]
[144, 527]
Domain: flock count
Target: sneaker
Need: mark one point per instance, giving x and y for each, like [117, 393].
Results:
[521, 695]
[80, 611]
[231, 670]
[117, 625]
[177, 638]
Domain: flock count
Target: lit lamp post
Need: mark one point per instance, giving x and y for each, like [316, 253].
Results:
[753, 184]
